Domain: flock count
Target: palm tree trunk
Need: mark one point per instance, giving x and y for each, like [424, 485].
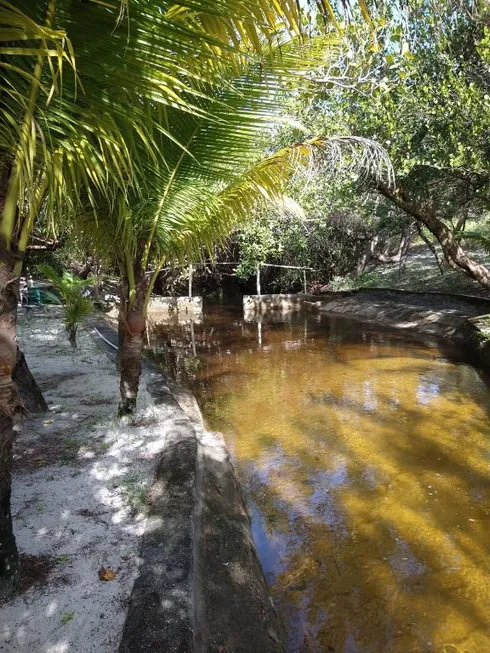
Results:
[10, 407]
[29, 392]
[121, 322]
[72, 336]
[134, 320]
[130, 372]
[9, 413]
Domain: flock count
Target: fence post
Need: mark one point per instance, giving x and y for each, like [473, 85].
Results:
[193, 339]
[258, 280]
[190, 280]
[304, 281]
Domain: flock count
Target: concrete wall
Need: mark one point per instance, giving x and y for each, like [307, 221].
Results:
[200, 587]
[438, 322]
[472, 305]
[254, 305]
[474, 335]
[174, 306]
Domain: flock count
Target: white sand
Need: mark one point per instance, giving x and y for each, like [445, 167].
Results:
[79, 495]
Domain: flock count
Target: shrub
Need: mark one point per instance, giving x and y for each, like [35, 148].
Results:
[76, 307]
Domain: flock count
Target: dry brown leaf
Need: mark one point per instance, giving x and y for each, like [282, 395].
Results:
[106, 573]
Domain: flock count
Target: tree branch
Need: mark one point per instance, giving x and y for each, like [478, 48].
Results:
[453, 252]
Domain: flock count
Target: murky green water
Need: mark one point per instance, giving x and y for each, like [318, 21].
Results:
[365, 458]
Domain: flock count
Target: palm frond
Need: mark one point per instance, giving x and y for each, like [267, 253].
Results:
[95, 123]
[215, 178]
[208, 217]
[77, 311]
[76, 307]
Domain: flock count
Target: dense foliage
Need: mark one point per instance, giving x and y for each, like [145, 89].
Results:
[420, 87]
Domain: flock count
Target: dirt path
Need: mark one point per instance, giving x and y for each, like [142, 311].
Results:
[420, 274]
[79, 493]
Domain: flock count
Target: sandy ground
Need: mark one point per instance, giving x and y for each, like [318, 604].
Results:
[79, 491]
[420, 274]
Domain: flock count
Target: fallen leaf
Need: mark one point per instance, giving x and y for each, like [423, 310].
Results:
[48, 421]
[106, 573]
[66, 617]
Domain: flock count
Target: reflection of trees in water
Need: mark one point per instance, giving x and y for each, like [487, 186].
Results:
[365, 460]
[372, 565]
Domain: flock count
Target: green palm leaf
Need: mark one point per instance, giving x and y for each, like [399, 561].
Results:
[76, 307]
[80, 117]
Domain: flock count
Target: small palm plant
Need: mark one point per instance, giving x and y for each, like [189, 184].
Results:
[76, 306]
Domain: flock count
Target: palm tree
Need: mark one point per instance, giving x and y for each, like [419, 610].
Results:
[80, 117]
[184, 222]
[76, 306]
[203, 191]
[183, 201]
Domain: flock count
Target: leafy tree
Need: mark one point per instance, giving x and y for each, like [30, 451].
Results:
[330, 233]
[417, 85]
[427, 103]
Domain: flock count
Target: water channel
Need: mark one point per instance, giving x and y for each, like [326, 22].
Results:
[364, 454]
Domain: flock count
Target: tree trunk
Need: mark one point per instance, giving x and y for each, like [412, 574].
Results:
[396, 257]
[405, 248]
[10, 411]
[368, 254]
[29, 392]
[96, 286]
[134, 321]
[121, 320]
[431, 246]
[86, 268]
[72, 336]
[9, 557]
[453, 252]
[130, 372]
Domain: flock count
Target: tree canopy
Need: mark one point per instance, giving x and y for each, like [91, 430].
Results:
[416, 81]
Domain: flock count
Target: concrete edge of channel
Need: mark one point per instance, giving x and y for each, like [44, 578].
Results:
[200, 586]
[468, 331]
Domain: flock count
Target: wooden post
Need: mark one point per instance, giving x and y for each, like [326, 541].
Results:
[193, 339]
[258, 280]
[190, 280]
[304, 281]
